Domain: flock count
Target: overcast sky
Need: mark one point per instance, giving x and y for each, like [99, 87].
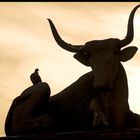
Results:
[26, 43]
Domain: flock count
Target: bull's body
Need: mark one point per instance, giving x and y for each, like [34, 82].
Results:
[68, 109]
[71, 107]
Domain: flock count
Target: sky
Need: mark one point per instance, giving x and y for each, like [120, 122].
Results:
[26, 43]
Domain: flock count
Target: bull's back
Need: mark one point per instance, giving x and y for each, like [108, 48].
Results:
[70, 106]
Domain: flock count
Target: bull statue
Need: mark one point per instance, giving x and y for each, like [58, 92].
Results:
[105, 89]
[99, 97]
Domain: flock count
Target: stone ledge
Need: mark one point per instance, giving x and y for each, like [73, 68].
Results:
[84, 135]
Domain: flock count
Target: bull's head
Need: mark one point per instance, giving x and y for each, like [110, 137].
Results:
[102, 55]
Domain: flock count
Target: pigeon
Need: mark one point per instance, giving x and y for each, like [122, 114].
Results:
[35, 78]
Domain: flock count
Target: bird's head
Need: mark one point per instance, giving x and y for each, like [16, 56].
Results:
[36, 70]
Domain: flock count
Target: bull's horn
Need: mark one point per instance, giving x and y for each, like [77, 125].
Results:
[130, 30]
[62, 43]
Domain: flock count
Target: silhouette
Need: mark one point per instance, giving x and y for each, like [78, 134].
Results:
[35, 78]
[101, 93]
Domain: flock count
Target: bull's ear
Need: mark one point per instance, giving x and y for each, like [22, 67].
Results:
[82, 58]
[127, 53]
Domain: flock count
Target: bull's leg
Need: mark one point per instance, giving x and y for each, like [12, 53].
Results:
[34, 125]
[104, 99]
[99, 117]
